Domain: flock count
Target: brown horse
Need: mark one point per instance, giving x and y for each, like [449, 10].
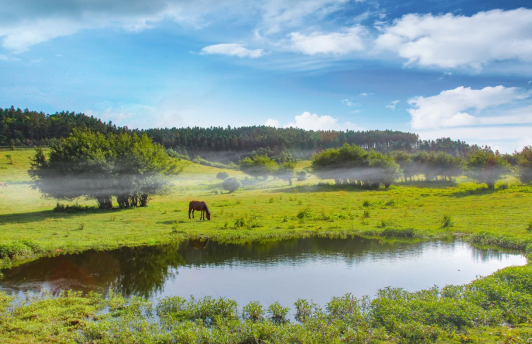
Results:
[4, 185]
[200, 206]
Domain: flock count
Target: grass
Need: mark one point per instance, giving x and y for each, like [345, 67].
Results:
[266, 209]
[495, 309]
[490, 310]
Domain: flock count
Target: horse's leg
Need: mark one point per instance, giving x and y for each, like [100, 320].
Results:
[189, 210]
[202, 217]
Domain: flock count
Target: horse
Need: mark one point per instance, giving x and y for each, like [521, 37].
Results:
[4, 185]
[200, 206]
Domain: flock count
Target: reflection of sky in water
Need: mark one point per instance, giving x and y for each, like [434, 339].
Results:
[321, 276]
[311, 268]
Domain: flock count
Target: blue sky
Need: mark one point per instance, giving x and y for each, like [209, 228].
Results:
[459, 69]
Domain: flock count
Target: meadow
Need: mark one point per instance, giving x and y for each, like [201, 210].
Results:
[262, 210]
[492, 309]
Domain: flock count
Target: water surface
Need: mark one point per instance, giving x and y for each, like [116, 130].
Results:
[311, 268]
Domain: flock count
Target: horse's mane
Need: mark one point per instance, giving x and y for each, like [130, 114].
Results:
[206, 208]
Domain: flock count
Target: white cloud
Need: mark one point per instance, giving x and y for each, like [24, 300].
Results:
[26, 23]
[451, 108]
[504, 138]
[451, 41]
[232, 49]
[336, 43]
[310, 121]
[392, 105]
[349, 102]
[280, 14]
[365, 94]
[272, 123]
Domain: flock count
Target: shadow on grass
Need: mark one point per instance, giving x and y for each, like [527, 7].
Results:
[474, 192]
[429, 184]
[44, 215]
[322, 188]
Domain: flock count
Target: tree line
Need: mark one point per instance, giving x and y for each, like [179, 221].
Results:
[30, 128]
[353, 165]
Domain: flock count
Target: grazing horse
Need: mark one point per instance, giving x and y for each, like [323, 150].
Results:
[200, 206]
[4, 185]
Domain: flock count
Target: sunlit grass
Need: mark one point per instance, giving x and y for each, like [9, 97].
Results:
[264, 209]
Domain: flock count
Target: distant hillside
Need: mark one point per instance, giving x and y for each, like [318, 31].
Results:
[29, 128]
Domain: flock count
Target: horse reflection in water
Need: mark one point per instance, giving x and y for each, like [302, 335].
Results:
[199, 206]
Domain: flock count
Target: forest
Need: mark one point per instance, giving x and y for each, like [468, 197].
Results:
[25, 128]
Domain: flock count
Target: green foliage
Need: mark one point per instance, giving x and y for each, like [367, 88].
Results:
[487, 167]
[199, 160]
[529, 226]
[493, 309]
[525, 165]
[285, 171]
[351, 164]
[20, 249]
[259, 166]
[253, 311]
[231, 184]
[96, 166]
[222, 175]
[9, 159]
[301, 176]
[447, 221]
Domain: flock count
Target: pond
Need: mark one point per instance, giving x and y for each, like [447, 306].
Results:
[312, 268]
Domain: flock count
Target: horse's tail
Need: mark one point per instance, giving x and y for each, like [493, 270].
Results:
[189, 209]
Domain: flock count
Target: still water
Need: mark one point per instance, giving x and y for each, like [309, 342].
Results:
[311, 268]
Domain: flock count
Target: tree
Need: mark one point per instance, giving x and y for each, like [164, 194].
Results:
[525, 165]
[487, 167]
[99, 167]
[350, 164]
[222, 175]
[231, 184]
[286, 171]
[259, 166]
[406, 163]
[382, 169]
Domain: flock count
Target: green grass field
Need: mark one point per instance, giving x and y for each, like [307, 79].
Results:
[267, 209]
[494, 309]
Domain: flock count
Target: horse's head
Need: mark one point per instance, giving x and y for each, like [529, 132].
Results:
[208, 215]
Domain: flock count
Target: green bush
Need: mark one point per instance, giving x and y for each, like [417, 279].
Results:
[231, 184]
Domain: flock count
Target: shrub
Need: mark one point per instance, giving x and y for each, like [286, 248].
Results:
[447, 221]
[278, 313]
[301, 176]
[231, 184]
[253, 311]
[222, 175]
[529, 227]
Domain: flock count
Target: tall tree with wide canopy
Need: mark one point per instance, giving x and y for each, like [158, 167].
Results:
[97, 166]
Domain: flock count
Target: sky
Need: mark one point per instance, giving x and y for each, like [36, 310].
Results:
[439, 68]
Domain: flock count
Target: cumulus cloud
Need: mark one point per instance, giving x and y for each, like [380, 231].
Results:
[232, 49]
[451, 41]
[336, 43]
[272, 123]
[451, 108]
[315, 122]
[392, 105]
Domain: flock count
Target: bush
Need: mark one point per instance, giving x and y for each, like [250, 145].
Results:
[447, 221]
[231, 184]
[222, 175]
[301, 176]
